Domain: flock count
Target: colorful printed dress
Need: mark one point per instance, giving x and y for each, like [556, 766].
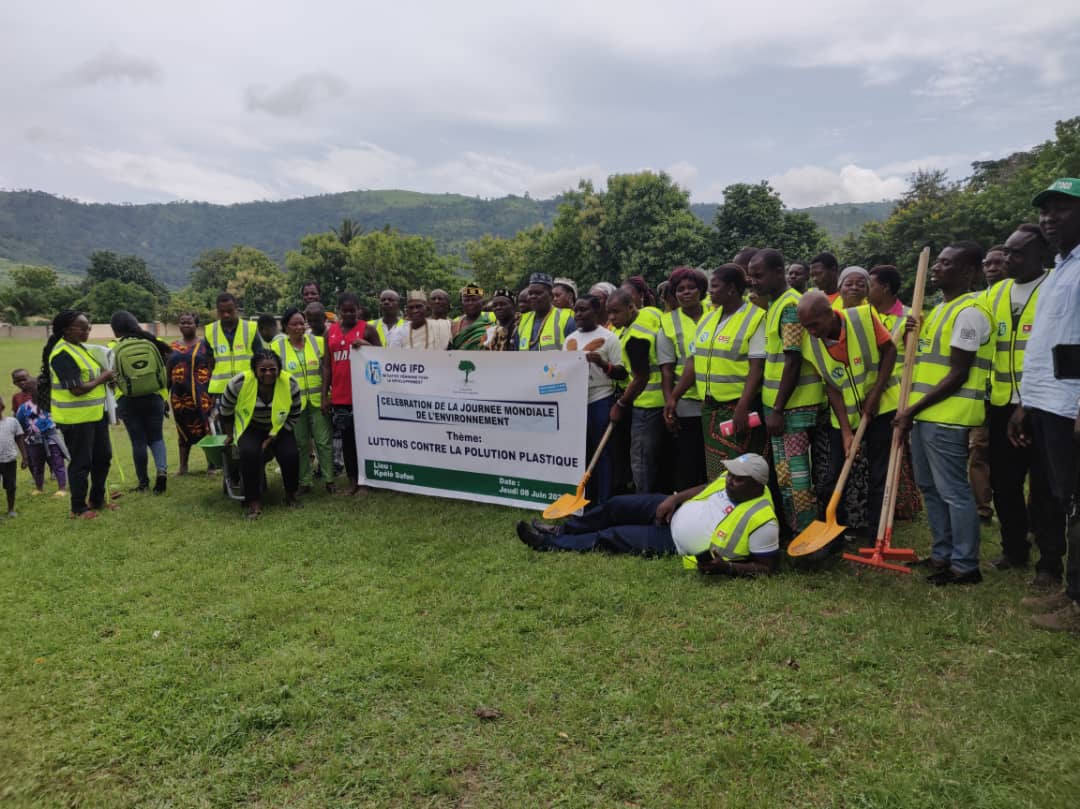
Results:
[189, 367]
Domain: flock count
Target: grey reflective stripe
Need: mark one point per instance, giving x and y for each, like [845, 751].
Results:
[653, 386]
[810, 379]
[724, 379]
[1020, 344]
[1002, 345]
[946, 316]
[822, 366]
[81, 402]
[314, 346]
[641, 329]
[963, 393]
[982, 363]
[774, 357]
[735, 352]
[1005, 286]
[680, 349]
[740, 528]
[856, 325]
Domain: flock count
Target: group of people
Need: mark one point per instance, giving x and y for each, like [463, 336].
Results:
[733, 398]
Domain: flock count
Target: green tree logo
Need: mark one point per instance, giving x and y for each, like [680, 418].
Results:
[467, 367]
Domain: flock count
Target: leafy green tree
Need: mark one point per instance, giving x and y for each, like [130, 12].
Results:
[753, 215]
[239, 267]
[107, 297]
[34, 290]
[349, 231]
[321, 258]
[387, 259]
[506, 263]
[468, 367]
[106, 265]
[258, 283]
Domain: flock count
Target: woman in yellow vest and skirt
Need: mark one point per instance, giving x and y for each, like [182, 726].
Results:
[259, 409]
[71, 386]
[301, 356]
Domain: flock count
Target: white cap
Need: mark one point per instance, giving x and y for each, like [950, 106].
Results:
[750, 465]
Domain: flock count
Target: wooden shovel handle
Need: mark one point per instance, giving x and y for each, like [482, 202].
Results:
[845, 472]
[599, 450]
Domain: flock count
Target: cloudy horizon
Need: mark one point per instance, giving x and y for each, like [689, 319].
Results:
[838, 101]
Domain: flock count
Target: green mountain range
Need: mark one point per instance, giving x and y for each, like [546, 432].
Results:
[39, 228]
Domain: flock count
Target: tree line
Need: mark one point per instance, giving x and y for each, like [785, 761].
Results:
[640, 224]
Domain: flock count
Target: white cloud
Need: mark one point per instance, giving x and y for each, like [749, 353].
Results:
[113, 65]
[179, 177]
[493, 176]
[817, 185]
[684, 173]
[344, 169]
[296, 96]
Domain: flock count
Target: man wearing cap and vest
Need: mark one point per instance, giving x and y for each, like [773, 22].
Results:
[643, 397]
[1047, 418]
[791, 392]
[948, 398]
[726, 527]
[854, 355]
[1011, 303]
[674, 348]
[390, 321]
[232, 341]
[544, 327]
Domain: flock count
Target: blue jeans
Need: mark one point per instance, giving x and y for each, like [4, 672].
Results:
[598, 489]
[940, 457]
[624, 524]
[646, 440]
[143, 417]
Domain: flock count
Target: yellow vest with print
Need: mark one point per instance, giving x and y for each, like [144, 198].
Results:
[731, 537]
[304, 366]
[70, 408]
[653, 394]
[722, 354]
[279, 406]
[552, 330]
[966, 407]
[808, 390]
[855, 378]
[680, 328]
[229, 360]
[1009, 342]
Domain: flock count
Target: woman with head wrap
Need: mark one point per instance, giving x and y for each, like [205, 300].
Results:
[854, 288]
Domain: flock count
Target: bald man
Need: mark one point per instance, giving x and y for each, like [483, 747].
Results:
[854, 355]
[390, 317]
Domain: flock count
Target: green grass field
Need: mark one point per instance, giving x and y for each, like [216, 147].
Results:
[172, 654]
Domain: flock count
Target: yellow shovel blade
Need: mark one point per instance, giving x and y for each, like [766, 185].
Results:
[814, 537]
[566, 505]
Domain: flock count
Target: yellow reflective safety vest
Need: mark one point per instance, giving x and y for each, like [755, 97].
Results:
[552, 331]
[722, 352]
[680, 328]
[808, 390]
[650, 317]
[67, 407]
[731, 537]
[966, 407]
[279, 407]
[1009, 341]
[305, 366]
[653, 394]
[381, 328]
[857, 377]
[230, 359]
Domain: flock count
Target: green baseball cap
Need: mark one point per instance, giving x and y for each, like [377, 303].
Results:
[1069, 186]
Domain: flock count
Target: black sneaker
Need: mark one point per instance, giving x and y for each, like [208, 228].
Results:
[947, 576]
[531, 537]
[547, 528]
[159, 484]
[1008, 563]
[932, 563]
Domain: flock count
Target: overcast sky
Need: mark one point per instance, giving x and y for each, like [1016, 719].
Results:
[229, 101]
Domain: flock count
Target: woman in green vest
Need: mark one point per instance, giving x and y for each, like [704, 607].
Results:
[71, 386]
[259, 410]
[301, 355]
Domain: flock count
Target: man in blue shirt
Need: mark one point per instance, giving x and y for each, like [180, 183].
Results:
[1047, 417]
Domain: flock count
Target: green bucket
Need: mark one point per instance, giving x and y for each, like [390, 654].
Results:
[214, 448]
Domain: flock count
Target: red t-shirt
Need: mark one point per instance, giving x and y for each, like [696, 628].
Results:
[339, 343]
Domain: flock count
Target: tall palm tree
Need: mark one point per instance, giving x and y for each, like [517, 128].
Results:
[349, 231]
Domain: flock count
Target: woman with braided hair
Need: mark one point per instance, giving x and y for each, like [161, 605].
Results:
[71, 388]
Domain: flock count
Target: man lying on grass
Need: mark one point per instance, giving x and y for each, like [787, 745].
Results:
[726, 527]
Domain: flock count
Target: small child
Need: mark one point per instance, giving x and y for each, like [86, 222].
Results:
[19, 377]
[11, 447]
[43, 441]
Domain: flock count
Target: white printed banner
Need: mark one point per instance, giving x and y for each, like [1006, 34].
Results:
[505, 428]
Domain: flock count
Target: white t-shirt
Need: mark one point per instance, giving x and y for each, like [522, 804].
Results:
[693, 524]
[1020, 294]
[9, 429]
[600, 384]
[971, 330]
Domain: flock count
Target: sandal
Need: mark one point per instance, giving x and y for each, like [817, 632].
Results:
[253, 514]
[89, 514]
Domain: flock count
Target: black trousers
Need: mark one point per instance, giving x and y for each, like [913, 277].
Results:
[344, 424]
[689, 454]
[1009, 467]
[877, 440]
[1054, 465]
[253, 459]
[91, 455]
